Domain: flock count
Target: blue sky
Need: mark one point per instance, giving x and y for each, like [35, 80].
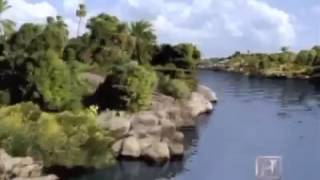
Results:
[218, 27]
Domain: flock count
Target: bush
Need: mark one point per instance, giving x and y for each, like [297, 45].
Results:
[128, 87]
[174, 87]
[65, 139]
[58, 84]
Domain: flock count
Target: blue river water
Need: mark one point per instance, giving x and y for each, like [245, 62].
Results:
[254, 117]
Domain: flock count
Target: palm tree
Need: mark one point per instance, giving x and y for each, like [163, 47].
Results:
[4, 6]
[144, 40]
[81, 12]
[7, 26]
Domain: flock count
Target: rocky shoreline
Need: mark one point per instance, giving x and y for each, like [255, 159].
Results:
[155, 135]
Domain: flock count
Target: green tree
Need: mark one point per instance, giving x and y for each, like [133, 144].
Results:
[174, 87]
[128, 87]
[302, 58]
[144, 39]
[80, 13]
[185, 56]
[7, 26]
[284, 49]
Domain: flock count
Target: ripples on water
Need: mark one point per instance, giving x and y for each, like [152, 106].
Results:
[254, 116]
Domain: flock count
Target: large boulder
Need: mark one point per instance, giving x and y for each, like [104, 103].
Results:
[176, 149]
[118, 126]
[175, 143]
[168, 128]
[131, 147]
[207, 93]
[147, 118]
[145, 123]
[158, 152]
[146, 143]
[198, 104]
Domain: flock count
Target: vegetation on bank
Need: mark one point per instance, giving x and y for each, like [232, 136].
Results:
[41, 65]
[66, 138]
[303, 64]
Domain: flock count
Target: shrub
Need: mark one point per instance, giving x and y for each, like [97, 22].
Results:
[66, 139]
[58, 84]
[128, 87]
[174, 87]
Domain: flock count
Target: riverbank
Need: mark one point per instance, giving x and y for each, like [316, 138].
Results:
[304, 64]
[277, 72]
[154, 135]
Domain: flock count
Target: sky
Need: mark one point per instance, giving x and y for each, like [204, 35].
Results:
[217, 27]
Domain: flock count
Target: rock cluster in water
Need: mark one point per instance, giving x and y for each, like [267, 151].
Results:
[154, 135]
[21, 168]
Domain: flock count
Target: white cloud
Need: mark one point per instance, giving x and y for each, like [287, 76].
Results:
[252, 24]
[72, 5]
[219, 27]
[23, 11]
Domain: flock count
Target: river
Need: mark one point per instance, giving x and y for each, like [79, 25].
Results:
[254, 117]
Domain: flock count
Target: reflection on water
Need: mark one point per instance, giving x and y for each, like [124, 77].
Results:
[254, 117]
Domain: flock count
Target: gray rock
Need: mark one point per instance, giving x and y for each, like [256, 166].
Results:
[175, 143]
[153, 134]
[118, 126]
[146, 143]
[147, 118]
[207, 93]
[131, 147]
[168, 128]
[176, 149]
[198, 104]
[157, 152]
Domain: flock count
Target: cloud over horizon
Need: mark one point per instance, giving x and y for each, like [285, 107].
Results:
[218, 27]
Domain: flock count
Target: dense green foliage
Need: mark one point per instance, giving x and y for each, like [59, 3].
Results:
[32, 68]
[285, 64]
[68, 139]
[127, 87]
[184, 56]
[174, 87]
[40, 64]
